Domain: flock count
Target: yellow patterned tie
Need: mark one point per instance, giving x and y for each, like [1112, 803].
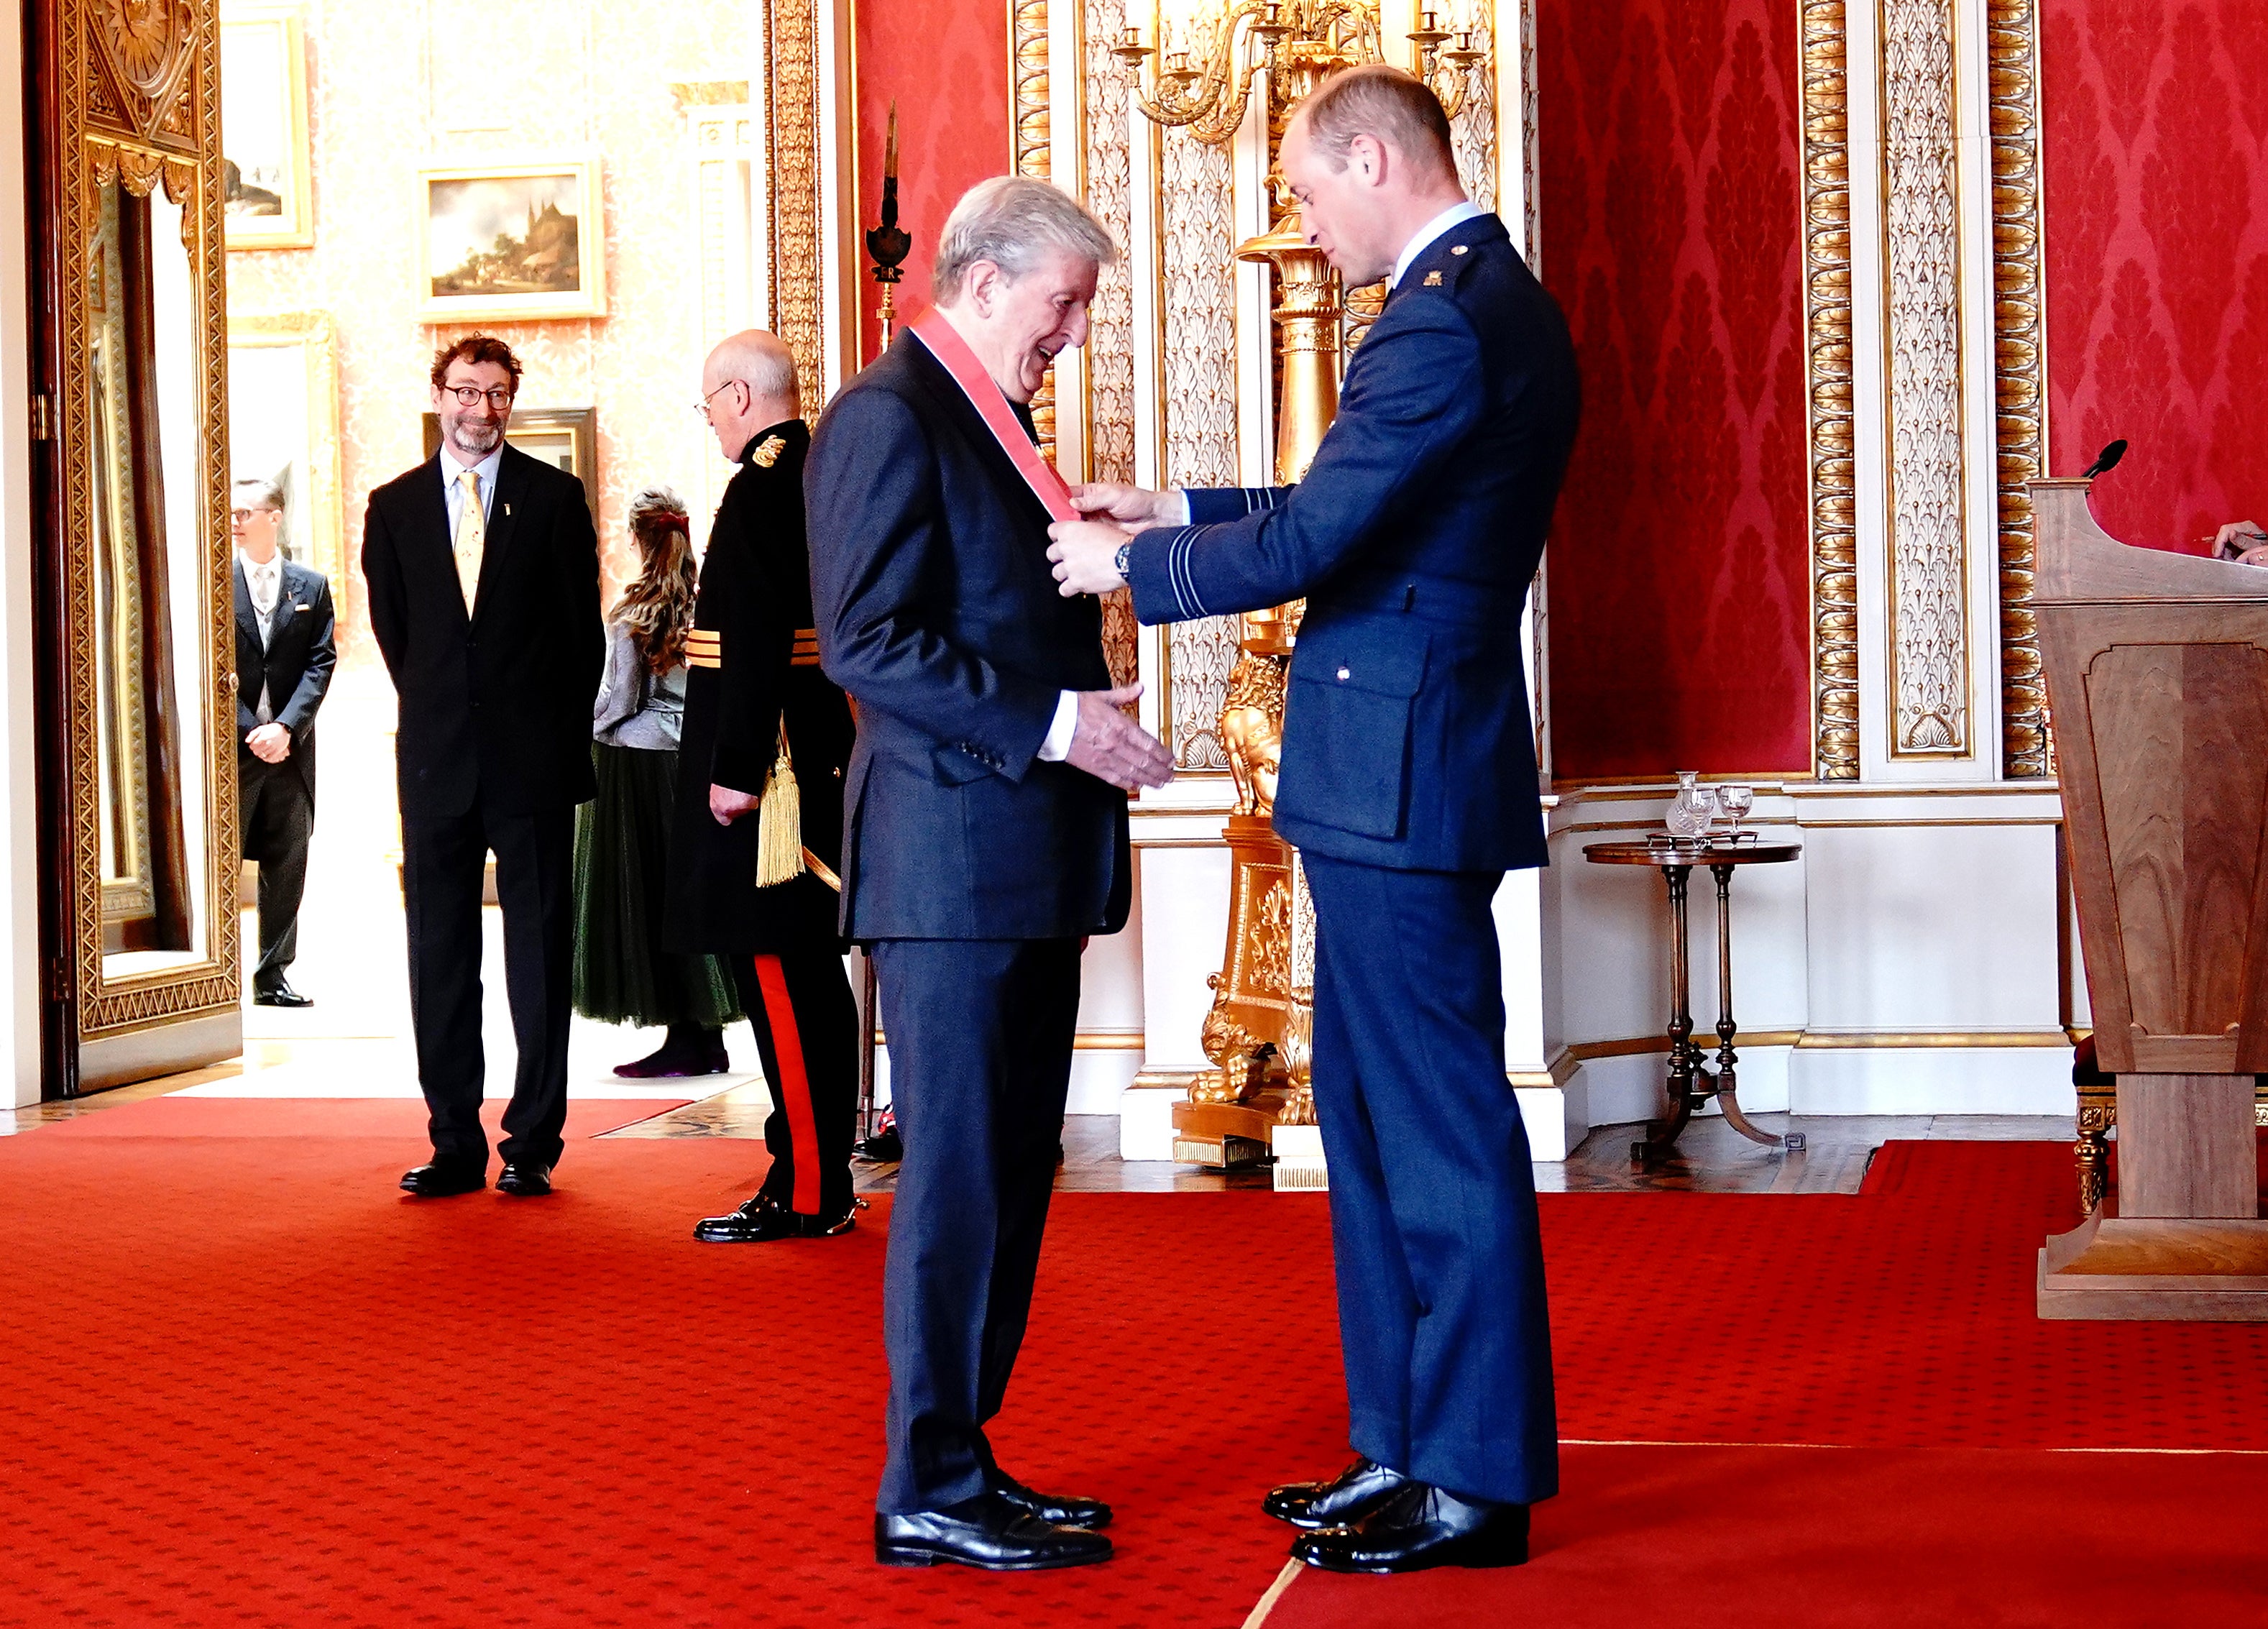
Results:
[472, 536]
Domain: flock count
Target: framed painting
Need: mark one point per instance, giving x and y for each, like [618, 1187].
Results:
[265, 157]
[565, 437]
[284, 427]
[510, 242]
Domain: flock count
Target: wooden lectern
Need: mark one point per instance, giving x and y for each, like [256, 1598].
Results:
[2157, 673]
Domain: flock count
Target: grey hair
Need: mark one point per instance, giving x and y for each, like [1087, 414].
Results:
[1012, 221]
[265, 493]
[758, 360]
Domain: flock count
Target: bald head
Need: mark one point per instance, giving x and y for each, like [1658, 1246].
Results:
[748, 383]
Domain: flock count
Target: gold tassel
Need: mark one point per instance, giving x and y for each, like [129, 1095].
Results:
[779, 823]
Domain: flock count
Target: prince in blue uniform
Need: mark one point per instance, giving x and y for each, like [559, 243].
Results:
[1408, 785]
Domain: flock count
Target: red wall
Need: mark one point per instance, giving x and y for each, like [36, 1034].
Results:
[1671, 232]
[945, 61]
[2154, 121]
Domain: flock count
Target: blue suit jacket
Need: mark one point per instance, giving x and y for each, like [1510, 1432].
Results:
[1407, 739]
[938, 613]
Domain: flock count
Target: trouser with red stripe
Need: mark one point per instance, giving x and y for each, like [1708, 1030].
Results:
[806, 1024]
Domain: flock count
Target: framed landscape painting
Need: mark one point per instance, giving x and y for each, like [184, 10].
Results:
[510, 242]
[264, 130]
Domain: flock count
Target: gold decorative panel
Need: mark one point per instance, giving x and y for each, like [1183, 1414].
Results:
[2019, 327]
[1928, 668]
[136, 367]
[792, 47]
[1827, 313]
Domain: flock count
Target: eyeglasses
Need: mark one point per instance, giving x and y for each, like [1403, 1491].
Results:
[702, 406]
[472, 395]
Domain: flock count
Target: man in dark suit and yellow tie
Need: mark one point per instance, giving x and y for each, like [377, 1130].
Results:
[1408, 786]
[483, 574]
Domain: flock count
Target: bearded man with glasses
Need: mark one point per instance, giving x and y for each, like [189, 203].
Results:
[484, 573]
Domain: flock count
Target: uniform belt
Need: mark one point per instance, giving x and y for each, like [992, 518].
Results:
[1436, 599]
[704, 647]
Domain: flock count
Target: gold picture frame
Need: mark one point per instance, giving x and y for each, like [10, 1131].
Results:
[516, 242]
[565, 437]
[283, 426]
[267, 160]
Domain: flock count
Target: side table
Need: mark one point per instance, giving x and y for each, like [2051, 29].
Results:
[1691, 1083]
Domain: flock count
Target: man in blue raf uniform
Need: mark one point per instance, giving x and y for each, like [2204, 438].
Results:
[754, 684]
[1408, 785]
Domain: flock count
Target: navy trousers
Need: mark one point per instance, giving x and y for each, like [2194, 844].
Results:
[1433, 1222]
[980, 1035]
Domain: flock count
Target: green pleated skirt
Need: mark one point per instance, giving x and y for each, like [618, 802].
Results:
[622, 877]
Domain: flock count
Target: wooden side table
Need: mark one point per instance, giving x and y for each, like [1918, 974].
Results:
[1691, 1083]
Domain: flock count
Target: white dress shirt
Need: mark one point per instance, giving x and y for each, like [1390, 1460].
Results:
[264, 583]
[452, 486]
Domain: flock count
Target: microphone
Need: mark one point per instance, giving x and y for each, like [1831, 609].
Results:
[2106, 460]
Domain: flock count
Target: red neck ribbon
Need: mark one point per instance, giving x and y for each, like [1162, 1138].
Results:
[985, 394]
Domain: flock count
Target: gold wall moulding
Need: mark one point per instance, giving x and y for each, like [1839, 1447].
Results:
[794, 265]
[2020, 379]
[1827, 317]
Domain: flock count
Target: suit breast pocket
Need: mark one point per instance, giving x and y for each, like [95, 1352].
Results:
[1346, 733]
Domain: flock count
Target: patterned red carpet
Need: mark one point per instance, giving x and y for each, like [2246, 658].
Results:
[252, 1385]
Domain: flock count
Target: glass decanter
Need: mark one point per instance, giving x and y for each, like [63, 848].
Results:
[1693, 810]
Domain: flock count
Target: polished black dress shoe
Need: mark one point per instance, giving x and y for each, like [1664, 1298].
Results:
[1421, 1527]
[987, 1531]
[523, 1179]
[762, 1219]
[279, 994]
[1056, 1509]
[440, 1180]
[1353, 1494]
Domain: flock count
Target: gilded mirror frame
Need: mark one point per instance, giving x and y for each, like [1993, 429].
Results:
[133, 101]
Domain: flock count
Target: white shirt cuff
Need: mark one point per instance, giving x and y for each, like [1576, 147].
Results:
[1057, 748]
[1182, 500]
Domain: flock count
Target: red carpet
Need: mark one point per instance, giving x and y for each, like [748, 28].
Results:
[399, 1117]
[251, 1384]
[1758, 1538]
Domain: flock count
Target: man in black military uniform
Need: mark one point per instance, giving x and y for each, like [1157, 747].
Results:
[753, 696]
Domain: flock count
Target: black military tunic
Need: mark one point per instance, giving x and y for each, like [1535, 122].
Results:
[754, 667]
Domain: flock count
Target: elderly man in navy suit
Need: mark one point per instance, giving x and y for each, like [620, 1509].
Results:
[985, 837]
[1408, 785]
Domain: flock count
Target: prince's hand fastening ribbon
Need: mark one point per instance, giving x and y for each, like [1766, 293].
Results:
[985, 394]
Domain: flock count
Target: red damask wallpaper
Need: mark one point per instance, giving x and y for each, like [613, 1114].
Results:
[1671, 232]
[945, 62]
[2155, 123]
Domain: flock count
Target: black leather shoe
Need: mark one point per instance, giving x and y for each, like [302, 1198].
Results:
[987, 1531]
[440, 1179]
[523, 1179]
[279, 994]
[1353, 1494]
[762, 1219]
[1421, 1527]
[1055, 1510]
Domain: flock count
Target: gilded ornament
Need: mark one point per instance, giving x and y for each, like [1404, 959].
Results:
[767, 453]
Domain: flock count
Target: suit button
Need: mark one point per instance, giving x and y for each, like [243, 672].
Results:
[1345, 676]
